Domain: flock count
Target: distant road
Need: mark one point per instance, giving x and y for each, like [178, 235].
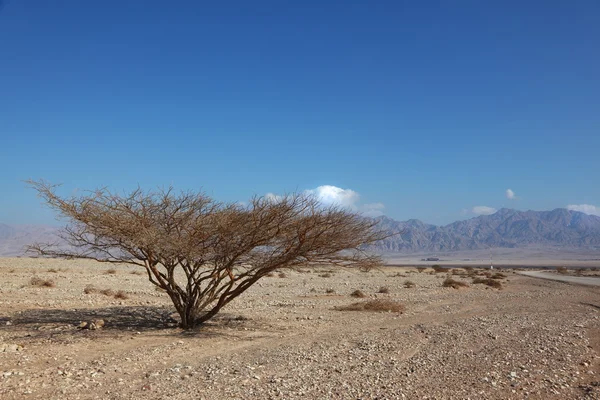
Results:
[579, 280]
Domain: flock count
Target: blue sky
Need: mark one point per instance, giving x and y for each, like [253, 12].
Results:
[414, 109]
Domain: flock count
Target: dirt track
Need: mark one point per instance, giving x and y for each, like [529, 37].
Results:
[578, 280]
[534, 339]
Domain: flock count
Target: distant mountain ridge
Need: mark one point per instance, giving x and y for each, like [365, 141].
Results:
[505, 228]
[14, 238]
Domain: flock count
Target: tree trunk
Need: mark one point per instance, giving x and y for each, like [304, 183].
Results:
[188, 317]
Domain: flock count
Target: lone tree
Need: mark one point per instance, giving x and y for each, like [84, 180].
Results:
[203, 253]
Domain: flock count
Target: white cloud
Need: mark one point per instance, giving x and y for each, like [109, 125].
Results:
[510, 194]
[330, 195]
[333, 195]
[483, 210]
[585, 208]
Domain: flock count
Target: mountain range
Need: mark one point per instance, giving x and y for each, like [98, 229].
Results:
[13, 238]
[506, 228]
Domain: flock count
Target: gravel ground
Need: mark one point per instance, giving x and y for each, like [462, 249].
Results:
[283, 339]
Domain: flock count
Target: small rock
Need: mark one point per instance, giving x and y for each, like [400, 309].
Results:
[99, 323]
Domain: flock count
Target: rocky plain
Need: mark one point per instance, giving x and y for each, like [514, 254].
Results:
[72, 329]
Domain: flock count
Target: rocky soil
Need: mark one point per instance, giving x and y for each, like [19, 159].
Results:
[284, 339]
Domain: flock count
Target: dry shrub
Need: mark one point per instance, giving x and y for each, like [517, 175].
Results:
[36, 281]
[379, 305]
[409, 284]
[137, 273]
[383, 289]
[11, 271]
[53, 270]
[121, 295]
[111, 271]
[562, 270]
[303, 271]
[489, 282]
[421, 269]
[270, 274]
[358, 294]
[330, 291]
[449, 282]
[438, 268]
[89, 289]
[282, 275]
[325, 275]
[107, 292]
[498, 275]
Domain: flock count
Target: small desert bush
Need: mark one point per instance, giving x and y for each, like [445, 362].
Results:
[487, 281]
[282, 275]
[325, 275]
[330, 291]
[409, 284]
[383, 289]
[562, 270]
[56, 270]
[498, 275]
[36, 281]
[270, 274]
[358, 293]
[438, 268]
[89, 289]
[111, 271]
[107, 292]
[449, 282]
[137, 273]
[379, 305]
[121, 295]
[421, 269]
[11, 271]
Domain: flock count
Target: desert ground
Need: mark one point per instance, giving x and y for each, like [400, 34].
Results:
[285, 339]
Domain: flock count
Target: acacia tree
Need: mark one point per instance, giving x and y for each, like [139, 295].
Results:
[203, 253]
